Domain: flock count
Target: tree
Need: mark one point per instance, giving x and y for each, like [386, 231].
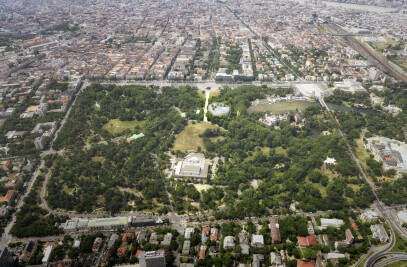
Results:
[309, 254]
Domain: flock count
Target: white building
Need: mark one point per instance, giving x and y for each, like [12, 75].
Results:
[331, 222]
[257, 241]
[229, 243]
[47, 253]
[379, 233]
[188, 232]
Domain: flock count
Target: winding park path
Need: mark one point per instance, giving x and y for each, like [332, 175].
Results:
[206, 106]
[179, 220]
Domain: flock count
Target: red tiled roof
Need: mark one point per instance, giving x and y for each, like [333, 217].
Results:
[126, 236]
[122, 251]
[214, 237]
[95, 245]
[305, 263]
[202, 254]
[302, 241]
[355, 227]
[8, 196]
[306, 241]
[311, 240]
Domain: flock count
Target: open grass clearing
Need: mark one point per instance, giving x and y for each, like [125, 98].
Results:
[202, 93]
[385, 44]
[280, 107]
[402, 64]
[202, 187]
[280, 150]
[189, 138]
[331, 174]
[397, 264]
[98, 159]
[399, 246]
[361, 151]
[214, 93]
[218, 138]
[318, 186]
[264, 150]
[116, 126]
[355, 187]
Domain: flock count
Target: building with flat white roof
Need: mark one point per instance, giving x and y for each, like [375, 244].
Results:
[402, 215]
[47, 254]
[152, 258]
[312, 90]
[350, 86]
[379, 233]
[257, 241]
[193, 166]
[188, 232]
[331, 222]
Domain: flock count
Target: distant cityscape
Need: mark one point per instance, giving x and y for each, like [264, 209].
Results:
[158, 133]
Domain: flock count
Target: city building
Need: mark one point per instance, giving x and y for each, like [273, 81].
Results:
[186, 247]
[331, 222]
[350, 86]
[47, 253]
[188, 232]
[379, 233]
[152, 259]
[167, 239]
[275, 231]
[218, 109]
[391, 152]
[6, 259]
[229, 243]
[258, 260]
[193, 166]
[307, 241]
[257, 241]
[244, 237]
[8, 197]
[305, 263]
[275, 260]
[347, 242]
[96, 244]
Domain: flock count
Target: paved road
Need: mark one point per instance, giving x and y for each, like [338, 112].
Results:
[266, 45]
[392, 258]
[6, 238]
[380, 206]
[377, 59]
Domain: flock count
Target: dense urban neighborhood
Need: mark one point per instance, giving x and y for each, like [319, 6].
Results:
[158, 133]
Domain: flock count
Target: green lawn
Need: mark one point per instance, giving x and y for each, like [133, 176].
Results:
[116, 126]
[321, 188]
[280, 107]
[280, 150]
[402, 64]
[189, 138]
[361, 152]
[397, 264]
[384, 44]
[98, 159]
[214, 93]
[264, 150]
[355, 187]
[400, 244]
